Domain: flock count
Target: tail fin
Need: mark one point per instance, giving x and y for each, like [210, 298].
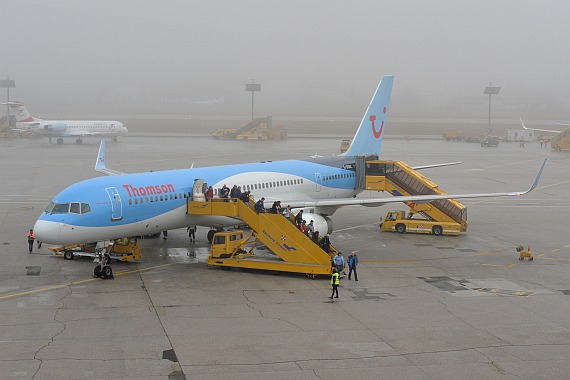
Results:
[20, 111]
[370, 133]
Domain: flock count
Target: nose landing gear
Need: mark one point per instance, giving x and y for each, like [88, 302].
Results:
[103, 269]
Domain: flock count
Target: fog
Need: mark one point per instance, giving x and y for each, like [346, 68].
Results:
[312, 58]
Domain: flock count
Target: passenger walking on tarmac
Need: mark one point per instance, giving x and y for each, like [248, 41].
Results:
[335, 282]
[209, 193]
[259, 206]
[339, 263]
[192, 233]
[31, 238]
[299, 218]
[352, 263]
[326, 243]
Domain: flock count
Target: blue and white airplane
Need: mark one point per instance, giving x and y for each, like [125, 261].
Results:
[120, 205]
[65, 128]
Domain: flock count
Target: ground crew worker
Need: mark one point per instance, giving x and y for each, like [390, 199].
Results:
[31, 238]
[352, 263]
[335, 282]
[191, 233]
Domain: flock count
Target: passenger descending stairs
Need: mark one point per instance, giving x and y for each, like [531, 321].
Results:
[399, 179]
[297, 251]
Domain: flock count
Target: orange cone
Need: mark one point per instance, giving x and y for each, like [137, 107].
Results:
[528, 250]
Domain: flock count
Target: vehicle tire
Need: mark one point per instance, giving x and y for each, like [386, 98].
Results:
[532, 258]
[79, 141]
[400, 228]
[60, 140]
[521, 259]
[107, 272]
[437, 230]
[211, 235]
[97, 271]
[68, 255]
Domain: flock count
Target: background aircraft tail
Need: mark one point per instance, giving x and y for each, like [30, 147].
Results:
[370, 133]
[20, 111]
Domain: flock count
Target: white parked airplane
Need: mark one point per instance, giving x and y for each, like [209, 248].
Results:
[120, 205]
[65, 128]
[543, 130]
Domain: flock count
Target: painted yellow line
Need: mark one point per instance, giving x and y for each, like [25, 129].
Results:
[362, 225]
[33, 291]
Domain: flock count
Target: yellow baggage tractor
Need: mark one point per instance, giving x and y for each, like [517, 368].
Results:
[120, 249]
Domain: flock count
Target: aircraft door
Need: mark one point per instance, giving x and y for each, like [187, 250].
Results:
[318, 182]
[116, 204]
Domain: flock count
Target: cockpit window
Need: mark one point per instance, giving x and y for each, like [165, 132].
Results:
[64, 208]
[61, 208]
[85, 208]
[75, 208]
[50, 207]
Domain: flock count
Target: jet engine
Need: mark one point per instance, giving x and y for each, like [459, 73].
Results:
[323, 224]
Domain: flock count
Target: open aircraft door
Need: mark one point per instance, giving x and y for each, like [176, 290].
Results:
[116, 204]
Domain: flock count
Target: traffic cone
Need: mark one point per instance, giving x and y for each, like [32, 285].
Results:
[528, 250]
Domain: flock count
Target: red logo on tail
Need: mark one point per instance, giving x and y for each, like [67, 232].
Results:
[377, 134]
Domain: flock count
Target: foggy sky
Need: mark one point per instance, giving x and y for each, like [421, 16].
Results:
[312, 58]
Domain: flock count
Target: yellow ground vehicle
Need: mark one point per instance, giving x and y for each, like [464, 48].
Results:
[344, 145]
[561, 141]
[397, 221]
[120, 250]
[453, 135]
[226, 244]
[524, 254]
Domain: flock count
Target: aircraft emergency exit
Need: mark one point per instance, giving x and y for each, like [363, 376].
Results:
[65, 128]
[120, 205]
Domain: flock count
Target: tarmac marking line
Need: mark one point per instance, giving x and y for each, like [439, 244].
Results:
[33, 291]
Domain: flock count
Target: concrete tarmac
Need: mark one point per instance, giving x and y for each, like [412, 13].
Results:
[425, 307]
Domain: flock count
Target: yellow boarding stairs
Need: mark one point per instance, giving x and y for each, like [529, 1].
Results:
[399, 179]
[298, 253]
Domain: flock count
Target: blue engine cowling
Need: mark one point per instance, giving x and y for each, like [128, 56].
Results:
[55, 127]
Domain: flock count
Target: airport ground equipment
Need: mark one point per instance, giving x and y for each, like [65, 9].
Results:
[119, 250]
[399, 179]
[453, 135]
[490, 141]
[397, 221]
[344, 145]
[561, 141]
[293, 251]
[524, 254]
[257, 129]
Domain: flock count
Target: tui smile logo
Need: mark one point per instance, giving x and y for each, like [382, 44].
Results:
[376, 133]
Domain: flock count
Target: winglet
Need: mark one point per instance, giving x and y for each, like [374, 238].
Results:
[100, 164]
[535, 183]
[524, 126]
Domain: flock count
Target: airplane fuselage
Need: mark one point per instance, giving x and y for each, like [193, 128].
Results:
[112, 207]
[74, 128]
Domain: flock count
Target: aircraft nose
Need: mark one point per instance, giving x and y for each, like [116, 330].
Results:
[47, 232]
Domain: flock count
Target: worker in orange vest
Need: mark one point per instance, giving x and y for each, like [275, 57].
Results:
[31, 239]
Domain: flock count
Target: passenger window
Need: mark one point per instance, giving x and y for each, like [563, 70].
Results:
[75, 208]
[130, 202]
[156, 198]
[136, 201]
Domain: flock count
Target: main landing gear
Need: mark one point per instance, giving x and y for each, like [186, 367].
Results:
[103, 269]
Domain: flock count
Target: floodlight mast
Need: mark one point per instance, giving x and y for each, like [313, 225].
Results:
[491, 90]
[253, 87]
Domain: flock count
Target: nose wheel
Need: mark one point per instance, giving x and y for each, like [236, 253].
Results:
[103, 269]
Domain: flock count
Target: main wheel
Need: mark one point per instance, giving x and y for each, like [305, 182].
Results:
[437, 230]
[60, 140]
[400, 228]
[211, 235]
[68, 255]
[79, 141]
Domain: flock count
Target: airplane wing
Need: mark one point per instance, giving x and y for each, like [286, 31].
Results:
[100, 164]
[436, 165]
[540, 130]
[373, 202]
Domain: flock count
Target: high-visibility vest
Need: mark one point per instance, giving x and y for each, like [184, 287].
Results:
[31, 236]
[335, 279]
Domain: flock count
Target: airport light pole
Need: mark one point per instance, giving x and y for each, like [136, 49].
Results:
[253, 87]
[491, 90]
[7, 84]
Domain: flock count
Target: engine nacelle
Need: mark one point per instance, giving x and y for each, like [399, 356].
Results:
[323, 224]
[55, 127]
